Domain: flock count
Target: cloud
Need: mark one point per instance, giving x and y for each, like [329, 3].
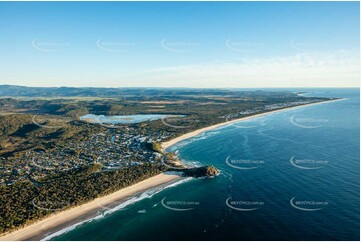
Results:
[316, 69]
[303, 69]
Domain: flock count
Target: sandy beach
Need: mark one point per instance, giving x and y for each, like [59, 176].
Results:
[169, 143]
[66, 218]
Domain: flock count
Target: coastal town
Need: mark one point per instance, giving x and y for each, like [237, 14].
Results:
[114, 148]
[118, 146]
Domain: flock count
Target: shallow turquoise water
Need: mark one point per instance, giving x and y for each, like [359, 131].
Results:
[292, 175]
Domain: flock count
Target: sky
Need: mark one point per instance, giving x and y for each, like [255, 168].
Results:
[180, 44]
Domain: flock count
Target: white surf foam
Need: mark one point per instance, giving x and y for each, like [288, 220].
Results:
[144, 195]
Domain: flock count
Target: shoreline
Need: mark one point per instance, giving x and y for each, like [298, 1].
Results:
[191, 134]
[64, 219]
[72, 216]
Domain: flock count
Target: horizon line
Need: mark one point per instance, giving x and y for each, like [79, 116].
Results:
[162, 87]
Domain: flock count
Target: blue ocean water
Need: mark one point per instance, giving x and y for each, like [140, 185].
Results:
[291, 175]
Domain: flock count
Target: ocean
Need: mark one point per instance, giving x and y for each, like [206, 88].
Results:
[290, 175]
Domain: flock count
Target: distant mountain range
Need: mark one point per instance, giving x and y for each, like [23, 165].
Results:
[23, 91]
